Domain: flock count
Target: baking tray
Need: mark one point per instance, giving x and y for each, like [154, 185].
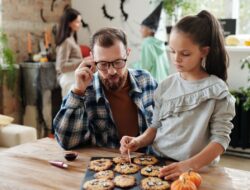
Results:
[89, 175]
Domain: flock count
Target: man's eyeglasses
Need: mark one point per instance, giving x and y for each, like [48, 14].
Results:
[117, 64]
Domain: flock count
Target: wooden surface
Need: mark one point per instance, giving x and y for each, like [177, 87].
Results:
[26, 167]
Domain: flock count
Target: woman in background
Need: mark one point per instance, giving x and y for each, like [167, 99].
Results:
[68, 51]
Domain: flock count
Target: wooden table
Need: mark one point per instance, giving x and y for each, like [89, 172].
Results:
[26, 167]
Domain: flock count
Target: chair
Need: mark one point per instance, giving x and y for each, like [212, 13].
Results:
[85, 50]
[13, 134]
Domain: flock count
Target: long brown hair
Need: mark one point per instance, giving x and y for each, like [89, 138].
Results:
[205, 30]
[64, 30]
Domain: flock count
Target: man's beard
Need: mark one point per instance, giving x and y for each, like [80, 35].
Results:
[114, 86]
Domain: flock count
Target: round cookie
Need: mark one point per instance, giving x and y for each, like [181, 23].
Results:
[126, 168]
[124, 181]
[106, 174]
[120, 159]
[145, 160]
[99, 184]
[152, 171]
[154, 183]
[100, 164]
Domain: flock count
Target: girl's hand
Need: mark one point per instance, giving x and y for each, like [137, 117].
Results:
[174, 170]
[130, 143]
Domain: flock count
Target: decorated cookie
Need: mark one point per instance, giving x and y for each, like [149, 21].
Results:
[120, 159]
[99, 184]
[145, 160]
[100, 164]
[152, 171]
[126, 168]
[106, 174]
[124, 181]
[154, 183]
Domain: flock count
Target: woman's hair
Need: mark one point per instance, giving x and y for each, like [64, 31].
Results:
[205, 30]
[106, 37]
[64, 30]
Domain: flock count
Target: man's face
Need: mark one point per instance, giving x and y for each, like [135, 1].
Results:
[112, 78]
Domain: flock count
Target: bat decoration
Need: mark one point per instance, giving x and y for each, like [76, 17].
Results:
[41, 15]
[52, 5]
[66, 7]
[84, 24]
[125, 15]
[106, 14]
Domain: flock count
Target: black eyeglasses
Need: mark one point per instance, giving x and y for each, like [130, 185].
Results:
[117, 64]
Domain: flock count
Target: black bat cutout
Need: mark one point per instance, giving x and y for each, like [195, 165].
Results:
[41, 15]
[66, 7]
[106, 14]
[122, 10]
[52, 5]
[84, 24]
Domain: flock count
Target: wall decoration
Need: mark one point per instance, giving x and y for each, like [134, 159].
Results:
[84, 24]
[52, 5]
[122, 10]
[66, 7]
[41, 15]
[106, 15]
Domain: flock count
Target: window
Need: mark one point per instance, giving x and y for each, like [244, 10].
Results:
[244, 15]
[239, 9]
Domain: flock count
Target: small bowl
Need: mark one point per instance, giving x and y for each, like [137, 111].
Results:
[70, 156]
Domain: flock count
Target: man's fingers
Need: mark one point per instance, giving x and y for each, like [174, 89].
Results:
[84, 72]
[122, 150]
[123, 140]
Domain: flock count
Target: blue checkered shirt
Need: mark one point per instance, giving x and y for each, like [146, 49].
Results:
[87, 120]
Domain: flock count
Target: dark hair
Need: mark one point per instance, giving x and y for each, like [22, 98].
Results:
[205, 30]
[64, 30]
[106, 37]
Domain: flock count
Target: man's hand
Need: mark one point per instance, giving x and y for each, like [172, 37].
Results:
[84, 75]
[128, 143]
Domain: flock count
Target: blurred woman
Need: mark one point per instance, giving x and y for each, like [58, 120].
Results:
[69, 54]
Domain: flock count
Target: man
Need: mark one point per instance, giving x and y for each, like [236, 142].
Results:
[104, 106]
[153, 51]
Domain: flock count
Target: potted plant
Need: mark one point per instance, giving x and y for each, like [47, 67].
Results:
[174, 8]
[8, 73]
[240, 135]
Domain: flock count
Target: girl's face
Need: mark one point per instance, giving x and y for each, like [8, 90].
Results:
[185, 54]
[145, 31]
[75, 24]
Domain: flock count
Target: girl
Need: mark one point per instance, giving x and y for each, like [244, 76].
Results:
[194, 109]
[153, 56]
[68, 51]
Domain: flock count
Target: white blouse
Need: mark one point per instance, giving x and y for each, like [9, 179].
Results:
[191, 114]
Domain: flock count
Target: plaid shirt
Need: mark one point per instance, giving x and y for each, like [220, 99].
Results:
[87, 120]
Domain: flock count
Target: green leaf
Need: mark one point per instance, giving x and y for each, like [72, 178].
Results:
[9, 73]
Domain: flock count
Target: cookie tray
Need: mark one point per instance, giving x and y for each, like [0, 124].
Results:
[89, 175]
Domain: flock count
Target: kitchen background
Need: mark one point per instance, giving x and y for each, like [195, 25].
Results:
[30, 27]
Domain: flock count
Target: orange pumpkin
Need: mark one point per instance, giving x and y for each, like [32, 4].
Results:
[192, 176]
[183, 184]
